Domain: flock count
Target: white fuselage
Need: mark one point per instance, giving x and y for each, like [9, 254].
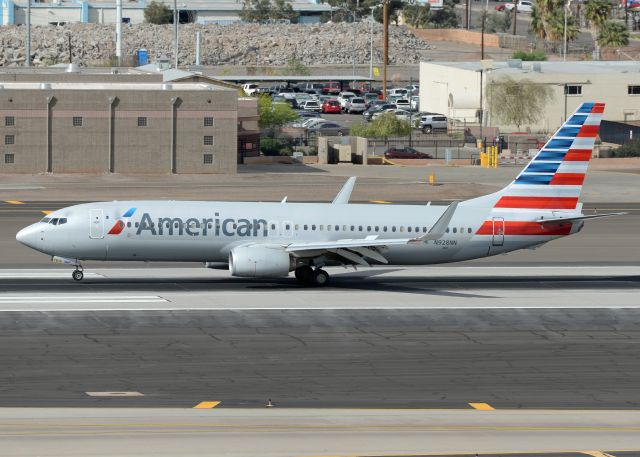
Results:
[197, 231]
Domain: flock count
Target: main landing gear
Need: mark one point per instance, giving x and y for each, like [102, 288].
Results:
[317, 277]
[77, 273]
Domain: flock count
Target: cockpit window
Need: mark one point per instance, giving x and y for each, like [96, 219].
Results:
[63, 220]
[46, 220]
[54, 221]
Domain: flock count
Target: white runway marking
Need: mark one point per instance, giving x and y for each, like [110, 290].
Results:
[74, 299]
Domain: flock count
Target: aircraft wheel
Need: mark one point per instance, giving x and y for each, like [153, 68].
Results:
[304, 273]
[320, 277]
[77, 275]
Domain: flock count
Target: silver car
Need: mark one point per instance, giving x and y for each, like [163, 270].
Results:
[429, 123]
[356, 105]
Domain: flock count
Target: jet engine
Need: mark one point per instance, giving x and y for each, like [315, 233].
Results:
[259, 260]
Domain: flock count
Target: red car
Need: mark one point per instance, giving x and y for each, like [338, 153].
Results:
[331, 87]
[406, 153]
[331, 106]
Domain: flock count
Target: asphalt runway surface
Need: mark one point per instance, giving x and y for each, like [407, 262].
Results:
[432, 337]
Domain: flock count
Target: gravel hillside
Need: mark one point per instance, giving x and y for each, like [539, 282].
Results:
[238, 44]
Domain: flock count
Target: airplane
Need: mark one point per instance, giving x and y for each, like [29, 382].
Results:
[262, 240]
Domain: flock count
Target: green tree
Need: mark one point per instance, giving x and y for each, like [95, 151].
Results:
[597, 13]
[295, 68]
[517, 102]
[498, 22]
[384, 126]
[264, 10]
[283, 10]
[157, 13]
[417, 15]
[273, 116]
[613, 35]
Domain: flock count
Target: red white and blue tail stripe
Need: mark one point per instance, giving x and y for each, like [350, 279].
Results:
[553, 179]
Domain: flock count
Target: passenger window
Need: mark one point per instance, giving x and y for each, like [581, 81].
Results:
[138, 224]
[313, 227]
[384, 229]
[424, 229]
[408, 229]
[306, 227]
[469, 230]
[328, 228]
[286, 226]
[337, 227]
[455, 230]
[368, 228]
[402, 228]
[321, 227]
[377, 228]
[128, 224]
[297, 227]
[447, 231]
[417, 229]
[360, 228]
[353, 228]
[273, 226]
[393, 229]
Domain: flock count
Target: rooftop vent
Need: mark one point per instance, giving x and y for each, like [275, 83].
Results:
[514, 63]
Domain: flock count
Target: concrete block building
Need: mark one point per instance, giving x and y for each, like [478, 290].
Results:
[454, 88]
[97, 123]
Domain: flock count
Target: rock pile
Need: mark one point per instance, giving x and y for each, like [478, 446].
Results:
[237, 44]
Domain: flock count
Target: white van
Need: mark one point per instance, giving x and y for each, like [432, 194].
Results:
[250, 88]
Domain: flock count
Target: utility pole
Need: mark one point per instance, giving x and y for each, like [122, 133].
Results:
[371, 48]
[468, 15]
[198, 48]
[515, 15]
[27, 61]
[353, 47]
[119, 31]
[385, 58]
[175, 33]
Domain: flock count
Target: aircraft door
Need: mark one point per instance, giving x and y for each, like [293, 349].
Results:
[498, 232]
[96, 224]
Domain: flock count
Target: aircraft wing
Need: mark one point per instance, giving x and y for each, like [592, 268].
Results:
[354, 251]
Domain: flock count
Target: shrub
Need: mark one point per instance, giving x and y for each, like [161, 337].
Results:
[534, 56]
[273, 147]
[157, 13]
[630, 149]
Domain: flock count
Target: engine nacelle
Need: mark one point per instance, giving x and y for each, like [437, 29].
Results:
[259, 260]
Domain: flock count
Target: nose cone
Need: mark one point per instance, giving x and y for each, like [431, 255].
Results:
[28, 236]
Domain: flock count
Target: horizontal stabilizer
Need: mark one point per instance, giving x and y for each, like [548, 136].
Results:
[345, 193]
[560, 220]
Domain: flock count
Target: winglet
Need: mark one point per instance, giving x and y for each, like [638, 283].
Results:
[345, 193]
[439, 228]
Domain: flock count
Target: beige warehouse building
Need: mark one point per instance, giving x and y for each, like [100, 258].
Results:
[124, 123]
[454, 88]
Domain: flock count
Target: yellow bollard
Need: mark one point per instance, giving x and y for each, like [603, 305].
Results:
[432, 179]
[496, 157]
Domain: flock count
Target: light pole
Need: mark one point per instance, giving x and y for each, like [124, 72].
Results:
[175, 33]
[566, 12]
[385, 58]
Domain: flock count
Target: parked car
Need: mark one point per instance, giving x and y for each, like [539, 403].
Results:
[368, 114]
[304, 117]
[413, 89]
[524, 6]
[405, 152]
[311, 105]
[343, 98]
[250, 88]
[312, 121]
[429, 123]
[327, 128]
[332, 87]
[331, 106]
[403, 103]
[401, 114]
[312, 87]
[356, 105]
[398, 92]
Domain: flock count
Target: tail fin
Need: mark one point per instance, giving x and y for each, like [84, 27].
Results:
[553, 179]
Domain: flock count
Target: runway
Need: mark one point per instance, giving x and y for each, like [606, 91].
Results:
[314, 433]
[431, 337]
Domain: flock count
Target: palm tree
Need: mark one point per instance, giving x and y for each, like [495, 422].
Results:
[613, 35]
[597, 13]
[556, 28]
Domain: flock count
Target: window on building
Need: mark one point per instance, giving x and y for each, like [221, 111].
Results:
[631, 90]
[9, 121]
[142, 122]
[9, 158]
[207, 159]
[77, 121]
[208, 122]
[208, 140]
[573, 89]
[9, 139]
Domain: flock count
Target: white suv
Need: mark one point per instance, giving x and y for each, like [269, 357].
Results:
[343, 99]
[524, 6]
